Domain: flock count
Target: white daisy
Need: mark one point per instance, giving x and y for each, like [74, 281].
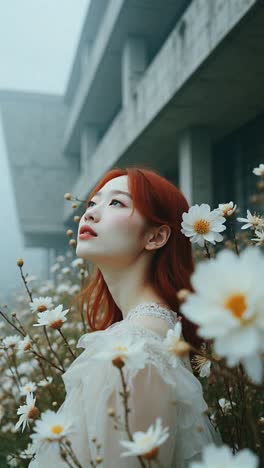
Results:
[226, 404]
[77, 262]
[228, 307]
[202, 365]
[11, 460]
[146, 443]
[74, 289]
[259, 171]
[216, 457]
[65, 270]
[41, 304]
[205, 369]
[51, 427]
[201, 224]
[252, 221]
[25, 344]
[27, 412]
[53, 318]
[54, 268]
[62, 288]
[11, 341]
[259, 239]
[123, 351]
[29, 387]
[227, 209]
[27, 453]
[25, 367]
[175, 344]
[45, 382]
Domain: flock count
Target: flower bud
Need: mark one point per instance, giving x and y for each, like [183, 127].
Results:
[118, 362]
[20, 262]
[67, 196]
[69, 232]
[111, 412]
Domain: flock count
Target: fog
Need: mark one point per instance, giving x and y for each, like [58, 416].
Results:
[38, 39]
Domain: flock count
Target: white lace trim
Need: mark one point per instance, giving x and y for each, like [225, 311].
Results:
[154, 309]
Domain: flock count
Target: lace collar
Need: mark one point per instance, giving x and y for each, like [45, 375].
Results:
[154, 309]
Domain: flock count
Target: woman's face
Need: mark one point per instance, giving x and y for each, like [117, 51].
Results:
[120, 237]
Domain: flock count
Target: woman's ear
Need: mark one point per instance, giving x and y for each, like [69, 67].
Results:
[158, 237]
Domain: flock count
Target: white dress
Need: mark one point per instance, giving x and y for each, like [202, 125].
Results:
[159, 390]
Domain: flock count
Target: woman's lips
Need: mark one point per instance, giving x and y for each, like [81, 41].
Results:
[86, 235]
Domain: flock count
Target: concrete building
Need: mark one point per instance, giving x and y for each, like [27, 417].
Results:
[175, 85]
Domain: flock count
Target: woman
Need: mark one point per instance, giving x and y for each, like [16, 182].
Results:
[131, 233]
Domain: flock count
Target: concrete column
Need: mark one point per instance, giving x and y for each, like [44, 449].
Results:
[89, 140]
[195, 172]
[134, 63]
[85, 56]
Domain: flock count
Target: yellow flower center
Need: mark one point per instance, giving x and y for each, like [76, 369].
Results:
[121, 348]
[57, 429]
[236, 304]
[202, 226]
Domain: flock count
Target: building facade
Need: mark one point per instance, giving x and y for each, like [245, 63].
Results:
[172, 85]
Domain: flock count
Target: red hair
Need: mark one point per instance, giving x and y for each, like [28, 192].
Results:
[160, 202]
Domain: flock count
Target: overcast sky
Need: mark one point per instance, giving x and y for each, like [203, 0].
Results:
[38, 39]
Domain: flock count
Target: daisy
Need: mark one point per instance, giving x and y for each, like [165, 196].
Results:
[62, 288]
[259, 239]
[65, 270]
[53, 318]
[226, 404]
[147, 443]
[215, 457]
[252, 221]
[11, 341]
[27, 412]
[77, 262]
[202, 365]
[259, 171]
[54, 268]
[227, 209]
[29, 387]
[40, 304]
[25, 344]
[51, 427]
[45, 382]
[201, 224]
[27, 453]
[175, 344]
[231, 314]
[123, 351]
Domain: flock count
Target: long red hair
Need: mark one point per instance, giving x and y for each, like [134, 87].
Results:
[160, 202]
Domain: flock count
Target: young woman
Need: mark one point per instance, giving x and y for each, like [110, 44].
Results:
[131, 233]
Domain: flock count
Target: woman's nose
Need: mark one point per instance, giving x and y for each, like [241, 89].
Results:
[90, 213]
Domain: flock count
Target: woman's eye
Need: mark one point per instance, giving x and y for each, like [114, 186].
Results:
[114, 200]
